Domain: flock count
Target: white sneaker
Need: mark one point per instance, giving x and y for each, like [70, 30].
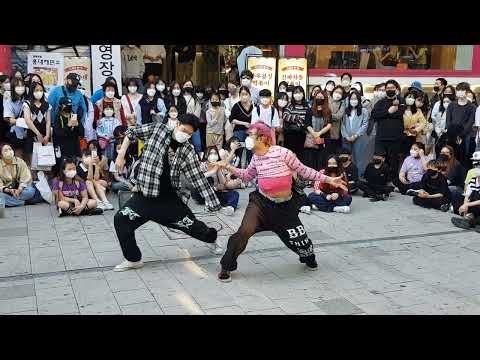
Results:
[397, 190]
[101, 205]
[342, 209]
[107, 205]
[305, 209]
[128, 265]
[227, 210]
[215, 248]
[314, 207]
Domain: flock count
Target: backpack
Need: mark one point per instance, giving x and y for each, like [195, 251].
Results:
[271, 107]
[79, 110]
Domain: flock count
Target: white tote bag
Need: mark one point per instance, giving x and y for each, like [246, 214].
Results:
[46, 155]
[34, 165]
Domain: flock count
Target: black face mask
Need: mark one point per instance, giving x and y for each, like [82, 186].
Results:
[67, 109]
[391, 93]
[332, 169]
[377, 161]
[450, 96]
[188, 90]
[443, 157]
[436, 88]
[431, 172]
[319, 101]
[72, 87]
[215, 103]
[344, 159]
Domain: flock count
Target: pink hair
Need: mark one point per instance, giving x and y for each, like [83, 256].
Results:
[262, 129]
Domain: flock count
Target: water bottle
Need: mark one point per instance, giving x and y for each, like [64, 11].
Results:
[2, 206]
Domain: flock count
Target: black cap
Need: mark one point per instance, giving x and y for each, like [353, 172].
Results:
[246, 73]
[65, 101]
[345, 151]
[380, 153]
[74, 77]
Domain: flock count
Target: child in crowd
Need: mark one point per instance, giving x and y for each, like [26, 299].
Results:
[350, 169]
[120, 182]
[171, 119]
[215, 123]
[91, 170]
[71, 193]
[376, 178]
[105, 127]
[434, 192]
[327, 198]
[470, 209]
[413, 168]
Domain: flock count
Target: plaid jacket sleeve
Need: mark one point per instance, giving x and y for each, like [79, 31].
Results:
[141, 132]
[199, 181]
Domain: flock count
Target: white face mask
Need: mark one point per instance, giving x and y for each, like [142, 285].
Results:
[245, 98]
[173, 115]
[298, 96]
[212, 157]
[132, 89]
[282, 103]
[460, 93]
[181, 137]
[20, 90]
[265, 100]
[38, 95]
[172, 124]
[70, 173]
[160, 87]
[151, 92]
[446, 103]
[329, 87]
[246, 82]
[345, 82]
[82, 91]
[6, 86]
[409, 101]
[110, 94]
[199, 96]
[108, 112]
[354, 103]
[282, 90]
[382, 94]
[336, 96]
[249, 143]
[8, 154]
[176, 92]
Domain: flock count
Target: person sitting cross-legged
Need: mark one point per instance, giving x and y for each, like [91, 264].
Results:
[413, 168]
[433, 192]
[470, 210]
[376, 178]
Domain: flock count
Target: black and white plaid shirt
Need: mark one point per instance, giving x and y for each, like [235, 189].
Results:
[156, 138]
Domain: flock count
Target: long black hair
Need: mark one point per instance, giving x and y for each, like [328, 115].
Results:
[31, 99]
[115, 87]
[359, 107]
[413, 93]
[17, 82]
[295, 102]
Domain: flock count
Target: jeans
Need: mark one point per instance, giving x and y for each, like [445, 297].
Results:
[321, 202]
[358, 149]
[27, 194]
[119, 186]
[242, 135]
[228, 198]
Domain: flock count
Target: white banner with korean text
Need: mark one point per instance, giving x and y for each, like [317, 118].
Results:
[293, 71]
[263, 70]
[106, 61]
[49, 66]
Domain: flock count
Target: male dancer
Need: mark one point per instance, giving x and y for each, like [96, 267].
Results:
[271, 206]
[166, 155]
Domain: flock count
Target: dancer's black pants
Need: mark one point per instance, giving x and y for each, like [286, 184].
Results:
[263, 214]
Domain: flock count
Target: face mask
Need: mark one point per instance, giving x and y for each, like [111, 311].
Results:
[176, 92]
[377, 161]
[332, 169]
[265, 101]
[460, 94]
[414, 153]
[353, 103]
[151, 92]
[199, 96]
[444, 157]
[382, 94]
[246, 82]
[344, 159]
[391, 93]
[298, 96]
[249, 143]
[108, 112]
[70, 173]
[451, 97]
[431, 172]
[215, 103]
[282, 90]
[71, 87]
[319, 101]
[160, 87]
[67, 109]
[409, 101]
[132, 89]
[282, 103]
[8, 154]
[212, 158]
[173, 115]
[181, 137]
[345, 82]
[172, 124]
[20, 90]
[329, 87]
[336, 96]
[38, 95]
[110, 94]
[6, 86]
[445, 104]
[245, 98]
[436, 88]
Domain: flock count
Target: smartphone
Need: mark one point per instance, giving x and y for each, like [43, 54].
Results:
[94, 154]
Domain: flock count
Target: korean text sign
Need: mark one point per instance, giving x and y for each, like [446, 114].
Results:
[49, 66]
[293, 71]
[263, 70]
[106, 61]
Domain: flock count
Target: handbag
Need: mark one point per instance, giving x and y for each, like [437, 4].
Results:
[310, 142]
[35, 166]
[46, 155]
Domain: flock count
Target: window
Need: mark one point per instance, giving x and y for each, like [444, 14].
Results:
[399, 57]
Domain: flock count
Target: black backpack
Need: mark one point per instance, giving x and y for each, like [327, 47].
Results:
[79, 109]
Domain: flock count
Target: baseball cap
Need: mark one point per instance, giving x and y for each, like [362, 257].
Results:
[416, 85]
[476, 156]
[74, 77]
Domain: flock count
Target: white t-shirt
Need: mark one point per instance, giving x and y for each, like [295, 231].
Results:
[266, 116]
[154, 51]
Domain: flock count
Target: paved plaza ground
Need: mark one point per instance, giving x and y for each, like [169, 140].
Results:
[383, 258]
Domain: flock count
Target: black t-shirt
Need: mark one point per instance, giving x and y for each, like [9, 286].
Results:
[239, 113]
[436, 185]
[82, 171]
[376, 176]
[352, 172]
[166, 188]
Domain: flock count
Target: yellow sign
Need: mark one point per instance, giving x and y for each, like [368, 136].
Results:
[293, 71]
[263, 69]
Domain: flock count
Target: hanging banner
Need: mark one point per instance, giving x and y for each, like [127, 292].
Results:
[49, 66]
[264, 70]
[80, 66]
[293, 71]
[106, 61]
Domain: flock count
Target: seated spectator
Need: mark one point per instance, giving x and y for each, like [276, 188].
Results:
[454, 171]
[299, 197]
[410, 177]
[91, 171]
[470, 209]
[171, 119]
[235, 148]
[228, 198]
[120, 182]
[71, 193]
[458, 196]
[350, 169]
[434, 192]
[105, 127]
[328, 198]
[376, 178]
[15, 179]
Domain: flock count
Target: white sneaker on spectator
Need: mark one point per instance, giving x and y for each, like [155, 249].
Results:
[227, 210]
[314, 207]
[396, 189]
[108, 205]
[101, 205]
[215, 248]
[128, 265]
[412, 192]
[342, 209]
[305, 209]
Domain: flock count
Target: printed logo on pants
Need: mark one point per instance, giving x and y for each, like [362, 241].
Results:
[296, 232]
[185, 223]
[126, 211]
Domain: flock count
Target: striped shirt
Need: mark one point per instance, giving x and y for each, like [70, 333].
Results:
[294, 116]
[473, 185]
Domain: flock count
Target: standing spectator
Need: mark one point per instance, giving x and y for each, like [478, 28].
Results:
[67, 131]
[345, 81]
[150, 106]
[281, 104]
[111, 99]
[246, 78]
[241, 117]
[388, 113]
[471, 97]
[434, 192]
[153, 56]
[130, 102]
[282, 87]
[438, 89]
[69, 90]
[337, 108]
[193, 107]
[13, 110]
[162, 91]
[414, 122]
[232, 99]
[4, 95]
[175, 98]
[215, 123]
[439, 117]
[354, 128]
[99, 93]
[15, 178]
[294, 122]
[329, 86]
[314, 91]
[105, 127]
